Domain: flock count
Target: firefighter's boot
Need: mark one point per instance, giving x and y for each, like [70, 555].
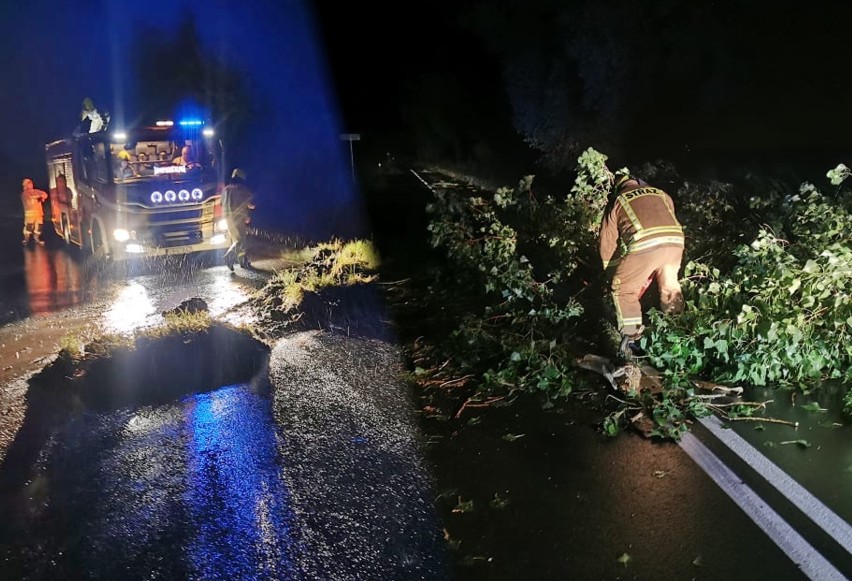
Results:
[629, 347]
[242, 258]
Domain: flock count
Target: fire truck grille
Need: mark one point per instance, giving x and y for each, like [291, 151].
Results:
[191, 215]
[176, 227]
[165, 239]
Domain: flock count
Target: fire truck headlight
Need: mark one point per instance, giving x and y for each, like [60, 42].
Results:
[183, 195]
[170, 196]
[156, 197]
[197, 194]
[222, 225]
[121, 235]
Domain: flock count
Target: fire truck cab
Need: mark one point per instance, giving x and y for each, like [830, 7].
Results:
[144, 191]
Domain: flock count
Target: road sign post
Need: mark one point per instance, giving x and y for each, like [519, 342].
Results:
[350, 137]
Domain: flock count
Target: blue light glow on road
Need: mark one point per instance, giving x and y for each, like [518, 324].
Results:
[235, 493]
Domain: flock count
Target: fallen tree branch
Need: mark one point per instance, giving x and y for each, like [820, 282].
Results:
[463, 378]
[733, 404]
[767, 420]
[469, 402]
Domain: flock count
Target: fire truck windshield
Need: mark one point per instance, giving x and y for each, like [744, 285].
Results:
[163, 158]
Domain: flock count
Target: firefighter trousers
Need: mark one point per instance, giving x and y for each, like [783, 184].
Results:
[32, 228]
[631, 274]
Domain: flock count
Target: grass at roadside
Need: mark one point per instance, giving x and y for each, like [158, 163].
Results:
[332, 289]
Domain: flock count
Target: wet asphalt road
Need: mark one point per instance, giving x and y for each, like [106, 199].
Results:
[312, 470]
[308, 470]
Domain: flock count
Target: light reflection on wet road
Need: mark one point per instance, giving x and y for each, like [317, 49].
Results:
[191, 489]
[235, 492]
[53, 280]
[46, 280]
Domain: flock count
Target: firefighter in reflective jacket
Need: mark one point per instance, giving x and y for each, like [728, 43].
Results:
[32, 200]
[239, 201]
[640, 238]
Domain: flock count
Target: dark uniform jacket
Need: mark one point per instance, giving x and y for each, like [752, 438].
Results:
[239, 199]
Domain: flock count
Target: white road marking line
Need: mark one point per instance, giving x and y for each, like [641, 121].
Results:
[808, 559]
[824, 517]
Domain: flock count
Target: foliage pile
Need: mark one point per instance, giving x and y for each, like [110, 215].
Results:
[330, 290]
[782, 314]
[769, 299]
[520, 263]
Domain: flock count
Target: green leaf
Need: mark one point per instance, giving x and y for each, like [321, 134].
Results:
[551, 372]
[813, 407]
[810, 266]
[512, 437]
[624, 559]
[610, 426]
[515, 356]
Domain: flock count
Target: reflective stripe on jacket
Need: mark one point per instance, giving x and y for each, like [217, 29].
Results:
[32, 201]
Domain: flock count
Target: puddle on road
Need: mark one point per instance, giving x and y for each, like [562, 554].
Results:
[138, 468]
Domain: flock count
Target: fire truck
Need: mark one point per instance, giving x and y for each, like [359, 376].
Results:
[145, 191]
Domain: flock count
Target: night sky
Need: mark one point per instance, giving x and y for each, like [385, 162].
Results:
[461, 80]
[694, 80]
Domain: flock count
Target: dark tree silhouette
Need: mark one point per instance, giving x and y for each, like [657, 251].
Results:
[173, 71]
[665, 74]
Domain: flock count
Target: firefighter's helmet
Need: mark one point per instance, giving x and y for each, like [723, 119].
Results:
[620, 180]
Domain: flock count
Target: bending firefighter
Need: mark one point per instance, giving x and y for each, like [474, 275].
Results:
[238, 201]
[33, 201]
[643, 219]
